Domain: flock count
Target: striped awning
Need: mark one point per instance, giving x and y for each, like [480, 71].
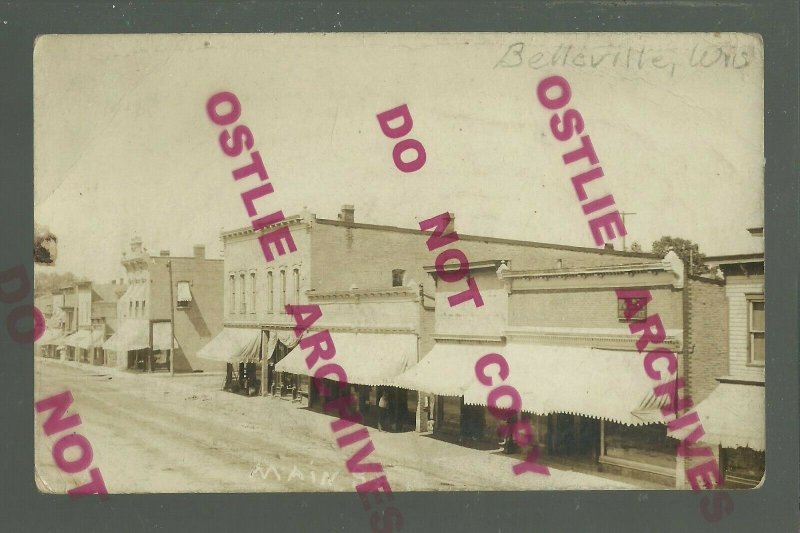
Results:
[733, 416]
[367, 358]
[604, 384]
[447, 370]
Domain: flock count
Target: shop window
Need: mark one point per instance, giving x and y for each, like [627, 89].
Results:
[743, 467]
[756, 330]
[647, 446]
[397, 277]
[625, 303]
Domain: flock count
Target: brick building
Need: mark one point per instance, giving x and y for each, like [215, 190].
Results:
[342, 255]
[573, 359]
[142, 340]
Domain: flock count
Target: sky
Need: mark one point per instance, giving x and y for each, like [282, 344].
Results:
[123, 145]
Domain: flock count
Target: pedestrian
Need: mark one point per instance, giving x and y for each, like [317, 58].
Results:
[382, 405]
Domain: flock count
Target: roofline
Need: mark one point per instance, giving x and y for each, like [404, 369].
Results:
[582, 271]
[493, 264]
[735, 258]
[713, 281]
[462, 236]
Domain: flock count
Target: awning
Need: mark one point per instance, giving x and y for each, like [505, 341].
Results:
[234, 345]
[161, 336]
[50, 336]
[733, 416]
[133, 334]
[447, 370]
[88, 339]
[72, 339]
[606, 384]
[272, 343]
[367, 358]
[184, 293]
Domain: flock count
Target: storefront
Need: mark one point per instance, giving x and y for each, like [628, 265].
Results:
[49, 341]
[733, 418]
[135, 347]
[371, 361]
[441, 379]
[590, 406]
[241, 349]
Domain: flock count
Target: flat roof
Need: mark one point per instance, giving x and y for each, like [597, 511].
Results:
[461, 236]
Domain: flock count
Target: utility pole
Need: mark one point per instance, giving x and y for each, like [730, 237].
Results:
[623, 213]
[171, 323]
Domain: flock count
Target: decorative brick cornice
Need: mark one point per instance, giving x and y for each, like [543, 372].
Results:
[472, 339]
[357, 295]
[588, 337]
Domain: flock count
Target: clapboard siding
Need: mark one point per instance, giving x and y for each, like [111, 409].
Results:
[737, 291]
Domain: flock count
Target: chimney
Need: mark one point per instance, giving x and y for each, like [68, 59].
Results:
[164, 253]
[452, 225]
[348, 213]
[200, 251]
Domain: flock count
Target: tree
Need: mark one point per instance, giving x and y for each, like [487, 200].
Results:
[46, 282]
[688, 251]
[636, 247]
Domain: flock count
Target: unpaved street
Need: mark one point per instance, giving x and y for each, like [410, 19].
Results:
[153, 433]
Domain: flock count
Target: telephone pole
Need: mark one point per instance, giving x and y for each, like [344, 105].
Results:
[623, 213]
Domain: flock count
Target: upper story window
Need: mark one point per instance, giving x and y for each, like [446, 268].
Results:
[137, 309]
[633, 303]
[242, 301]
[397, 277]
[296, 285]
[130, 308]
[270, 293]
[232, 289]
[183, 296]
[283, 289]
[252, 292]
[755, 330]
